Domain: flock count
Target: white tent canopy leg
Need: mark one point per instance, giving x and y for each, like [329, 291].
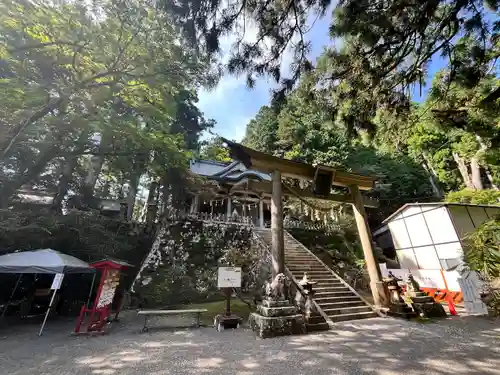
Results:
[11, 296]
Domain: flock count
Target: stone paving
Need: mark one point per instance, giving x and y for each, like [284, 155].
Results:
[373, 346]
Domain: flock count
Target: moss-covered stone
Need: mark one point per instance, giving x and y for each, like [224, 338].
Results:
[266, 327]
[276, 311]
[182, 266]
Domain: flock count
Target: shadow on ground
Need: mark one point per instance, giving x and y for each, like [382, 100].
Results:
[374, 346]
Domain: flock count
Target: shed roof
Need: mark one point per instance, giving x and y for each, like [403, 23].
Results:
[440, 204]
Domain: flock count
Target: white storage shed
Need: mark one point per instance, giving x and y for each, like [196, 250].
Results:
[427, 238]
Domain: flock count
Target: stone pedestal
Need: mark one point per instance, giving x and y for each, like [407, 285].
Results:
[222, 322]
[276, 318]
[400, 310]
[426, 306]
[397, 307]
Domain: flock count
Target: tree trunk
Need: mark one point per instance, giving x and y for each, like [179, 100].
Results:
[462, 167]
[482, 149]
[69, 165]
[438, 192]
[476, 173]
[95, 166]
[7, 143]
[490, 179]
[152, 205]
[29, 174]
[132, 193]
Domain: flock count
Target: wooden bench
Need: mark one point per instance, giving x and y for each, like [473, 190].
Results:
[150, 313]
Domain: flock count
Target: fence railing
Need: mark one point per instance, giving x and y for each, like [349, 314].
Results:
[314, 226]
[205, 216]
[247, 220]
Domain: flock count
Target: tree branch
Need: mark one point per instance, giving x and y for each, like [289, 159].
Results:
[43, 45]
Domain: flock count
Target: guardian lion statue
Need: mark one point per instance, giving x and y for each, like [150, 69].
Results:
[276, 288]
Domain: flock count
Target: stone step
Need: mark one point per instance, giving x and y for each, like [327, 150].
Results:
[330, 285]
[304, 267]
[327, 293]
[319, 284]
[297, 260]
[341, 304]
[331, 299]
[316, 319]
[328, 280]
[319, 272]
[336, 288]
[315, 265]
[347, 310]
[316, 327]
[300, 259]
[360, 315]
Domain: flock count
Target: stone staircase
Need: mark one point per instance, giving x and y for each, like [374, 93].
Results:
[332, 295]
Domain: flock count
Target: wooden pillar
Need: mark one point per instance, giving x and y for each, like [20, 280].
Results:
[261, 213]
[376, 285]
[195, 204]
[228, 208]
[301, 207]
[277, 235]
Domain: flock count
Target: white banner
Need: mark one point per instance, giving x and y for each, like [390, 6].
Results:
[56, 283]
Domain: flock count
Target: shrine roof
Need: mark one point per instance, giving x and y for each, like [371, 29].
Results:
[231, 172]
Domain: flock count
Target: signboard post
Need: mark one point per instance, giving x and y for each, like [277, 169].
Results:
[227, 279]
[56, 285]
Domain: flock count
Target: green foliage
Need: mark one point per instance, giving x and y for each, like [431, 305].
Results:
[482, 250]
[482, 255]
[489, 196]
[102, 86]
[303, 129]
[213, 149]
[87, 236]
[261, 132]
[385, 46]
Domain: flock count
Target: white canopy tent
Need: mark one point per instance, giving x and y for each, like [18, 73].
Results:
[42, 261]
[45, 261]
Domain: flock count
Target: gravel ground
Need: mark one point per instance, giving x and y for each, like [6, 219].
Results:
[373, 346]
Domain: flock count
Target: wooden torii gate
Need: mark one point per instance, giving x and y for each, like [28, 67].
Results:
[323, 178]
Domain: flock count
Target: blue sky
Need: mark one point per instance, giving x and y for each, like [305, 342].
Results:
[233, 105]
